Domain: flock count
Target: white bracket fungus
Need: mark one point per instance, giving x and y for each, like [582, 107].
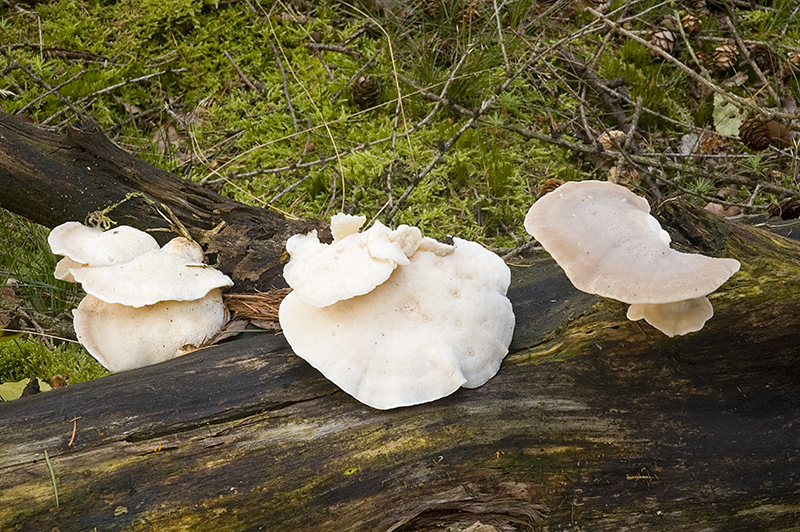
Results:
[608, 244]
[354, 263]
[175, 272]
[88, 246]
[144, 304]
[439, 321]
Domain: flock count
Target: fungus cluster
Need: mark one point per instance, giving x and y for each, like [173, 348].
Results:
[144, 304]
[394, 318]
[608, 244]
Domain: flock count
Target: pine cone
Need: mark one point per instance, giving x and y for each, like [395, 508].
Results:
[549, 186]
[691, 24]
[790, 67]
[627, 176]
[612, 140]
[759, 134]
[754, 134]
[663, 39]
[765, 58]
[700, 7]
[725, 55]
[366, 91]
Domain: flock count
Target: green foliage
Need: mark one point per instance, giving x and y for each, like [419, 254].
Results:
[660, 87]
[702, 185]
[28, 357]
[25, 257]
[26, 260]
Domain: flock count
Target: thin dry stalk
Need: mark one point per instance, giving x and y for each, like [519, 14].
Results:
[260, 306]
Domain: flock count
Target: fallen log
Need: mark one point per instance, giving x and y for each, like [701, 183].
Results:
[593, 423]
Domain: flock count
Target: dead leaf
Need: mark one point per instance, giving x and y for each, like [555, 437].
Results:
[130, 108]
[721, 210]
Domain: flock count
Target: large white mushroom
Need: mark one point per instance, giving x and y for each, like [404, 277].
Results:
[437, 323]
[608, 244]
[144, 304]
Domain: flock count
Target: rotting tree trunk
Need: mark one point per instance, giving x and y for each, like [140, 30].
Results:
[592, 423]
[53, 178]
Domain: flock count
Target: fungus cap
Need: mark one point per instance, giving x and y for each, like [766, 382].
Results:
[84, 246]
[439, 323]
[121, 337]
[604, 238]
[354, 264]
[173, 273]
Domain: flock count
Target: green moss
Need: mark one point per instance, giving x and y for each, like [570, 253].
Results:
[661, 87]
[26, 267]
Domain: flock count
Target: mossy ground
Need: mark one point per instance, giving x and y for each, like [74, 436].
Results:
[160, 77]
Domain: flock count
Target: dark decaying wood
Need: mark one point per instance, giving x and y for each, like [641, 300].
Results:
[592, 423]
[52, 178]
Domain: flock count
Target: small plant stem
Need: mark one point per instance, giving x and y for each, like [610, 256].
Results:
[44, 84]
[285, 87]
[52, 475]
[500, 35]
[438, 159]
[333, 196]
[356, 34]
[590, 78]
[106, 90]
[688, 45]
[324, 64]
[74, 431]
[637, 113]
[54, 90]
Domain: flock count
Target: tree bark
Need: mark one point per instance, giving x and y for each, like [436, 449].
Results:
[592, 423]
[51, 178]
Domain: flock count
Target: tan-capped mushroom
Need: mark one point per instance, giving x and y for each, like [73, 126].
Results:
[608, 244]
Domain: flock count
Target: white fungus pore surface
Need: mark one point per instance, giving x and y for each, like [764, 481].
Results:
[122, 337]
[436, 324]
